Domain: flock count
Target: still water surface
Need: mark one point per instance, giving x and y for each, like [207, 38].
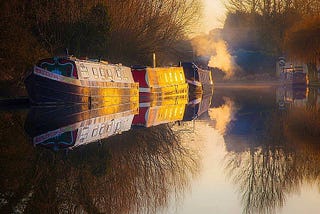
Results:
[252, 151]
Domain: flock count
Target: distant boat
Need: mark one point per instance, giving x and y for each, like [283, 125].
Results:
[292, 73]
[159, 81]
[199, 80]
[68, 80]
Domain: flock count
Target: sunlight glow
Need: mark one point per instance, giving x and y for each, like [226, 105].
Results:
[214, 15]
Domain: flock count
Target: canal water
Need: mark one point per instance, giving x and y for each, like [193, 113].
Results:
[249, 150]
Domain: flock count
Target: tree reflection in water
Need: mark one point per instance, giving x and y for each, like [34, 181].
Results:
[136, 172]
[276, 163]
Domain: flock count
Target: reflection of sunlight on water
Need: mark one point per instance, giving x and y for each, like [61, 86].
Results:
[223, 115]
[210, 190]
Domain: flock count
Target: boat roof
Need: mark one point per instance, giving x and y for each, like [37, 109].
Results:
[73, 58]
[138, 67]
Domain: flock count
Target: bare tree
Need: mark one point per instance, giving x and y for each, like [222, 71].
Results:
[142, 27]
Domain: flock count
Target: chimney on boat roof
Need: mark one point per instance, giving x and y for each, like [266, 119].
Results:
[153, 60]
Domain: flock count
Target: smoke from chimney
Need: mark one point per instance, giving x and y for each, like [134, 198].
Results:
[214, 47]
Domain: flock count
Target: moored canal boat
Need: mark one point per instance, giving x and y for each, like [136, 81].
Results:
[296, 78]
[199, 80]
[68, 80]
[292, 73]
[159, 81]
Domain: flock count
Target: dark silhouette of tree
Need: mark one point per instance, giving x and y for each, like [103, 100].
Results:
[303, 44]
[127, 31]
[140, 28]
[262, 24]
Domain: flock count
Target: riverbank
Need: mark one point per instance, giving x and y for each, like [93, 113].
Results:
[246, 84]
[12, 89]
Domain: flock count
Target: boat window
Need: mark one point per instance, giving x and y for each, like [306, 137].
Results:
[109, 72]
[102, 129]
[181, 76]
[124, 77]
[64, 68]
[103, 73]
[84, 134]
[166, 77]
[118, 127]
[95, 131]
[170, 75]
[95, 72]
[109, 126]
[119, 72]
[84, 71]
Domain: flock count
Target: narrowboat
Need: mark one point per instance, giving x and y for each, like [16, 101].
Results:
[159, 81]
[67, 127]
[292, 73]
[199, 80]
[160, 111]
[294, 78]
[68, 80]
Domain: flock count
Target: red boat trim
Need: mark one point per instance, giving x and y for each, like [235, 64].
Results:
[51, 134]
[44, 73]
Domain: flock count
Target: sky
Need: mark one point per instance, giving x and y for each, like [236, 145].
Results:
[214, 15]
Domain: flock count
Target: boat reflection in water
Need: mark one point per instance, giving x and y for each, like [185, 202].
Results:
[291, 95]
[72, 126]
[161, 110]
[197, 107]
[171, 109]
[138, 171]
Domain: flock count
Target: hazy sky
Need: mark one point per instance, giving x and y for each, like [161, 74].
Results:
[214, 14]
